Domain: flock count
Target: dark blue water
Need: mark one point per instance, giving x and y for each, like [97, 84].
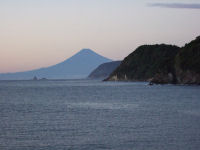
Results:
[94, 115]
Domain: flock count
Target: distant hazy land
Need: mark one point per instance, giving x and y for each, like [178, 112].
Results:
[76, 67]
[104, 70]
[159, 63]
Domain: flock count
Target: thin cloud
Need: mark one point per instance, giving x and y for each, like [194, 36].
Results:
[176, 5]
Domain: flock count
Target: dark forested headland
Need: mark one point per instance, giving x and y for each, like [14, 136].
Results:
[161, 64]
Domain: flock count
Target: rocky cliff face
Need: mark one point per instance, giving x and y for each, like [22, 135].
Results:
[163, 78]
[187, 77]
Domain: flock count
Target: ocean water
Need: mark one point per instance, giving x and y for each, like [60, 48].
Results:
[95, 115]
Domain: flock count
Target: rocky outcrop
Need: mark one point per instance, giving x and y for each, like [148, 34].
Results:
[163, 78]
[187, 77]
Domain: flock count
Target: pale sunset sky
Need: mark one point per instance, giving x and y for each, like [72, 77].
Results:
[40, 33]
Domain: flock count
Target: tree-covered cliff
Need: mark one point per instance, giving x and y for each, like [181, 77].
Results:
[187, 63]
[161, 64]
[147, 60]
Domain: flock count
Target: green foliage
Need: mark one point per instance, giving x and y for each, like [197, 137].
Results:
[146, 61]
[155, 62]
[189, 56]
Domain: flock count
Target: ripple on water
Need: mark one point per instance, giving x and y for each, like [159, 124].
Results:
[109, 106]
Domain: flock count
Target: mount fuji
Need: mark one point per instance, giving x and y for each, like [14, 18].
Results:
[78, 66]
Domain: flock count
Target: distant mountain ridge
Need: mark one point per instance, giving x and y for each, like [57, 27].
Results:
[104, 70]
[78, 66]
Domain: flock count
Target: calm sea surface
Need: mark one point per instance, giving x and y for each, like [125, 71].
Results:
[94, 115]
